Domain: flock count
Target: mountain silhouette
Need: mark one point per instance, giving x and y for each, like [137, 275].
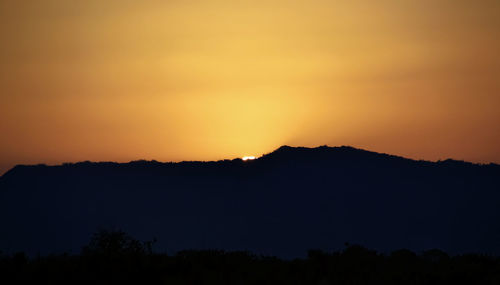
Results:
[282, 203]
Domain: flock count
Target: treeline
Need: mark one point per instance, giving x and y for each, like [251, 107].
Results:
[113, 257]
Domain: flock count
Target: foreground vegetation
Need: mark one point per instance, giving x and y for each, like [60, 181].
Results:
[113, 257]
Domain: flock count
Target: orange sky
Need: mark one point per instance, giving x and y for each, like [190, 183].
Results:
[200, 80]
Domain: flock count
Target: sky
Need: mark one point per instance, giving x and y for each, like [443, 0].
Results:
[122, 80]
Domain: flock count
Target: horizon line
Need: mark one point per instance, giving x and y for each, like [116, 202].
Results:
[252, 160]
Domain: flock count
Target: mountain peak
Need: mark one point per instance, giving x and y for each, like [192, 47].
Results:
[323, 151]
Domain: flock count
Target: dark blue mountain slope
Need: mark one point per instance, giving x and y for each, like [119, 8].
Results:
[283, 203]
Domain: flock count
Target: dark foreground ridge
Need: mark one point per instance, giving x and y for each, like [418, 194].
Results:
[281, 204]
[113, 257]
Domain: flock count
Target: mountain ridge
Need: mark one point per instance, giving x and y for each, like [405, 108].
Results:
[284, 150]
[284, 203]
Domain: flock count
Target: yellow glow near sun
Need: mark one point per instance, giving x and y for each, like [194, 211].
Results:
[248, 158]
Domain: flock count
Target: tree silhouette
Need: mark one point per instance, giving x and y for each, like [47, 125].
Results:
[116, 242]
[114, 257]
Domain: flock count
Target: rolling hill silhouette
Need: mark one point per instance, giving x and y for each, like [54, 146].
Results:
[283, 203]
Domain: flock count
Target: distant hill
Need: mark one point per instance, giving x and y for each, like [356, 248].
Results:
[283, 203]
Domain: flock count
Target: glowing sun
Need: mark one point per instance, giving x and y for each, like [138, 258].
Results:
[248, 158]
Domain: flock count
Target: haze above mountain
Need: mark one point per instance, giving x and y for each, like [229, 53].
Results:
[282, 203]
